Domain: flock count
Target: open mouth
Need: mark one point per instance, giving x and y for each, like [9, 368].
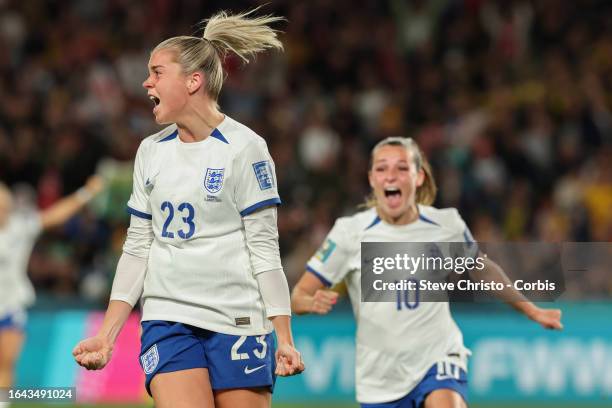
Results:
[393, 197]
[155, 100]
[393, 192]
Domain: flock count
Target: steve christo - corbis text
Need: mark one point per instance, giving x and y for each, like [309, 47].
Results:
[462, 285]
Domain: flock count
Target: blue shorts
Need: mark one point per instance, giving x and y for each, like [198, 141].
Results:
[232, 361]
[14, 320]
[442, 375]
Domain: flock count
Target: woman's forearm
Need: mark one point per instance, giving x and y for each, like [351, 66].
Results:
[282, 327]
[494, 273]
[115, 317]
[301, 301]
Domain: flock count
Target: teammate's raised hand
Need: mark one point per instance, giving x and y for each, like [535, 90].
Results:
[288, 360]
[93, 353]
[547, 318]
[94, 185]
[323, 300]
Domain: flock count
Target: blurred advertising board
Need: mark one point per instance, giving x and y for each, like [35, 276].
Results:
[513, 359]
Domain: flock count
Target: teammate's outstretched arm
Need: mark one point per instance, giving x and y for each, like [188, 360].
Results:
[311, 296]
[492, 272]
[65, 208]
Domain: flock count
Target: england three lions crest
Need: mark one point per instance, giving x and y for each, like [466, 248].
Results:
[150, 359]
[213, 181]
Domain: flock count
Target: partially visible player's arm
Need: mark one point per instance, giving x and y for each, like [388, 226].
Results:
[65, 208]
[311, 296]
[95, 352]
[262, 241]
[492, 272]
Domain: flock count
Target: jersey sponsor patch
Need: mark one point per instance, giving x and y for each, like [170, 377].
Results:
[150, 359]
[263, 172]
[213, 180]
[325, 250]
[243, 321]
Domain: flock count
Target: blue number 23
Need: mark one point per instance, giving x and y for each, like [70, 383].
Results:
[188, 219]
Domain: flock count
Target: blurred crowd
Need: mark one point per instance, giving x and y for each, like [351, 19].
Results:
[511, 101]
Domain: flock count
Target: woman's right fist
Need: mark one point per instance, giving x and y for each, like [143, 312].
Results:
[323, 300]
[93, 353]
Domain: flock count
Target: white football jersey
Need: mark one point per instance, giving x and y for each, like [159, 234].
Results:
[395, 345]
[199, 270]
[17, 238]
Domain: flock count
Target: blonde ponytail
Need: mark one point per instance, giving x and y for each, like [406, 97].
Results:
[243, 36]
[223, 33]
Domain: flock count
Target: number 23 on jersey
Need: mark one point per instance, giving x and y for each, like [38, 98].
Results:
[187, 213]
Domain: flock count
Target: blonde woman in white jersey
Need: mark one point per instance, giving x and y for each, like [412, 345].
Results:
[19, 229]
[203, 228]
[412, 355]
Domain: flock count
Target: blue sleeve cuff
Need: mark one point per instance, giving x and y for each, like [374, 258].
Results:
[257, 206]
[139, 214]
[318, 275]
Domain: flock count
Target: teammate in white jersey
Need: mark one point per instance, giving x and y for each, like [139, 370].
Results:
[408, 354]
[203, 228]
[19, 228]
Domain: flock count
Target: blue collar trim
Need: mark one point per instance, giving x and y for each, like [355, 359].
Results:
[376, 221]
[423, 218]
[218, 135]
[169, 137]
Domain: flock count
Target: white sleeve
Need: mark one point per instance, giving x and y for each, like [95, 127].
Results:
[262, 240]
[274, 292]
[463, 234]
[138, 203]
[132, 266]
[139, 237]
[30, 223]
[256, 186]
[330, 262]
[129, 279]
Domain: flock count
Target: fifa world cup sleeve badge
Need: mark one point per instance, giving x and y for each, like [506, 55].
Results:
[325, 250]
[263, 172]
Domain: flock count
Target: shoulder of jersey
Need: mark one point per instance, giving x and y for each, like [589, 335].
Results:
[234, 134]
[444, 217]
[166, 133]
[354, 225]
[239, 136]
